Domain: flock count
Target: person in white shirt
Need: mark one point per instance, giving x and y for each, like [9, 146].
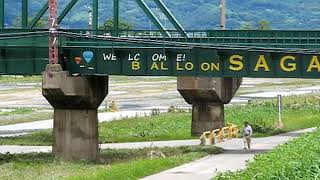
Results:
[247, 132]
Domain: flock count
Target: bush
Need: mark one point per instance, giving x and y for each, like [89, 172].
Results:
[172, 109]
[298, 159]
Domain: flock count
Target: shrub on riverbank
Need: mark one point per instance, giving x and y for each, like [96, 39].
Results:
[298, 159]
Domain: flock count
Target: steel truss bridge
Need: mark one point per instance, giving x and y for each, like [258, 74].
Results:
[179, 52]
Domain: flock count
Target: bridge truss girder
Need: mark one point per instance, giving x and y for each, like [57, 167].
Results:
[27, 53]
[95, 9]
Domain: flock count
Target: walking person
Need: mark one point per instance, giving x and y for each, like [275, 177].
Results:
[247, 132]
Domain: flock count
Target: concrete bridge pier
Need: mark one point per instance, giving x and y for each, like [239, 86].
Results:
[75, 100]
[207, 96]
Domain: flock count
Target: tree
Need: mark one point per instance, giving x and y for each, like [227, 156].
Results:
[42, 24]
[264, 25]
[16, 23]
[261, 25]
[246, 26]
[123, 25]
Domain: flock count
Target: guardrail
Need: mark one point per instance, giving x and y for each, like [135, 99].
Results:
[219, 135]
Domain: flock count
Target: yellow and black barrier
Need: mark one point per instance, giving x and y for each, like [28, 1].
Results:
[219, 135]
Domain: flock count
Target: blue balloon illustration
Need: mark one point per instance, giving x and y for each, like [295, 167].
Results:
[88, 55]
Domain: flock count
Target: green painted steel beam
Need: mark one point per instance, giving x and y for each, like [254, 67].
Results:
[153, 18]
[95, 14]
[24, 19]
[207, 61]
[120, 56]
[172, 19]
[1, 14]
[116, 17]
[66, 10]
[39, 15]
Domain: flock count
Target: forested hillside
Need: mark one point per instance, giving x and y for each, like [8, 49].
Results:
[192, 14]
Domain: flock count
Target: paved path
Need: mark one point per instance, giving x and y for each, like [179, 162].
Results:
[22, 128]
[234, 158]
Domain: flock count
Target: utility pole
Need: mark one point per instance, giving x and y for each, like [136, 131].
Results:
[279, 102]
[53, 29]
[223, 14]
[115, 18]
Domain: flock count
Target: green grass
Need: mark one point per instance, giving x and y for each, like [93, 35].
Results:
[120, 79]
[16, 111]
[22, 115]
[115, 164]
[159, 127]
[20, 79]
[164, 126]
[298, 159]
[289, 83]
[299, 112]
[139, 168]
[37, 139]
[264, 117]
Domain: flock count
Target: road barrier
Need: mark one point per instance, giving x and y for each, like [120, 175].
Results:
[218, 135]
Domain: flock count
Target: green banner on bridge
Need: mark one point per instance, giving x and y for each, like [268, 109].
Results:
[209, 62]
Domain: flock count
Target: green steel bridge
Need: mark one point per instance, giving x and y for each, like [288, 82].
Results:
[179, 52]
[91, 54]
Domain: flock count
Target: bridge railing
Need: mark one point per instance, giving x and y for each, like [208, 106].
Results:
[269, 38]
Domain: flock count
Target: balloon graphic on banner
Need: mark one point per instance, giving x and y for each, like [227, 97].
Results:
[87, 55]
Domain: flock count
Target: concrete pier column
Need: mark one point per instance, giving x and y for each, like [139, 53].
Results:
[75, 100]
[207, 96]
[206, 115]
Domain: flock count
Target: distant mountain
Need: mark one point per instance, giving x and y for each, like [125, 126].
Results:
[192, 14]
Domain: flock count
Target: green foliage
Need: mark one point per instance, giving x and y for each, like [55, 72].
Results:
[261, 25]
[124, 155]
[260, 117]
[115, 164]
[138, 169]
[16, 111]
[36, 138]
[157, 127]
[15, 79]
[261, 114]
[298, 112]
[246, 26]
[22, 115]
[264, 25]
[299, 159]
[16, 23]
[123, 25]
[172, 109]
[191, 14]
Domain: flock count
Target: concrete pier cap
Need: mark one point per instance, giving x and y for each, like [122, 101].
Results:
[207, 96]
[75, 100]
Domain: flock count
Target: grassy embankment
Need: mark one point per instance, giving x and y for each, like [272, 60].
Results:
[115, 164]
[299, 112]
[22, 115]
[298, 159]
[119, 79]
[20, 79]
